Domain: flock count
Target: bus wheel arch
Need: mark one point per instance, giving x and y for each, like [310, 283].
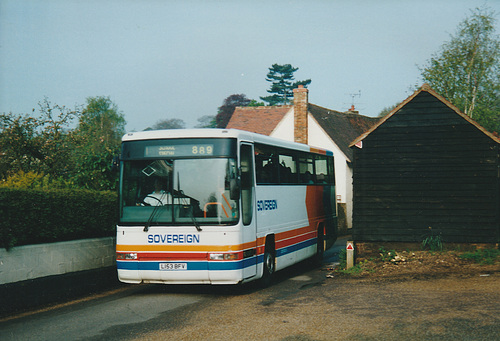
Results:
[320, 245]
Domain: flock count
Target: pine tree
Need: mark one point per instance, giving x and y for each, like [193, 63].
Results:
[282, 84]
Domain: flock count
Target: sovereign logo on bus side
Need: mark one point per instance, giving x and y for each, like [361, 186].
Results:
[267, 205]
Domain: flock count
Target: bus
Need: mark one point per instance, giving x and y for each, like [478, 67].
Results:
[220, 206]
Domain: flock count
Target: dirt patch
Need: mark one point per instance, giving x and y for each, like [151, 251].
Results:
[430, 264]
[377, 305]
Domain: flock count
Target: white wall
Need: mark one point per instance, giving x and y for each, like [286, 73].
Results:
[284, 129]
[33, 261]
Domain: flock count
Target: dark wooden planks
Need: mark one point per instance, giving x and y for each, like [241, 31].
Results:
[426, 166]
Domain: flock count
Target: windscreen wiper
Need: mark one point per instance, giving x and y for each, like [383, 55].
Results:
[150, 219]
[155, 211]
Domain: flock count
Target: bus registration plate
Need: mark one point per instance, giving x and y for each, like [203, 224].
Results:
[173, 266]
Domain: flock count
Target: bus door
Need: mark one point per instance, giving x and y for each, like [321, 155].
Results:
[249, 226]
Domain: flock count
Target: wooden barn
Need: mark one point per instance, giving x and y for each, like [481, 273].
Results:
[426, 168]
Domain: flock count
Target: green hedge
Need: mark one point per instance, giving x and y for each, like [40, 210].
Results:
[30, 216]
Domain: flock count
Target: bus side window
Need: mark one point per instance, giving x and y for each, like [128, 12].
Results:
[266, 165]
[306, 170]
[322, 171]
[288, 169]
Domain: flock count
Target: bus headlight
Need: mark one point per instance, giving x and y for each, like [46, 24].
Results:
[126, 256]
[216, 256]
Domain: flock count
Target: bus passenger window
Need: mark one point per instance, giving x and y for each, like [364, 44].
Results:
[266, 164]
[288, 169]
[306, 169]
[323, 166]
[321, 170]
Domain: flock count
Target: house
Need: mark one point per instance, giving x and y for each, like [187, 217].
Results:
[426, 169]
[316, 126]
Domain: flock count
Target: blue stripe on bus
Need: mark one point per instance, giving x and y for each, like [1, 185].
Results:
[205, 265]
[295, 247]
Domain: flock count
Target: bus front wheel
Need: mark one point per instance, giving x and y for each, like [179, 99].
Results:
[269, 267]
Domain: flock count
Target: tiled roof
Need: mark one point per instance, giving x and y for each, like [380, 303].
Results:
[260, 120]
[342, 127]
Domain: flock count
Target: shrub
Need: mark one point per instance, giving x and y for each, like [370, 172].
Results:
[482, 256]
[33, 180]
[386, 256]
[342, 258]
[34, 216]
[432, 241]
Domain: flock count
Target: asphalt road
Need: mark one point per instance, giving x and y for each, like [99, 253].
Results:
[126, 308]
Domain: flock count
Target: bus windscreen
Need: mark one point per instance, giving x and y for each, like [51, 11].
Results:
[191, 182]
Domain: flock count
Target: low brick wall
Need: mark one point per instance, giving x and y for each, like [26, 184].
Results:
[34, 261]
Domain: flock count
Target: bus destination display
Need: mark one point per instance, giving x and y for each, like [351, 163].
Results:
[179, 150]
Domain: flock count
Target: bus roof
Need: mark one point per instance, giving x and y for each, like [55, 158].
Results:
[221, 133]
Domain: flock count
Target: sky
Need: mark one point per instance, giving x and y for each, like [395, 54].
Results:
[159, 60]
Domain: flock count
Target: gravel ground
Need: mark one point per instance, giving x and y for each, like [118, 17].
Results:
[320, 305]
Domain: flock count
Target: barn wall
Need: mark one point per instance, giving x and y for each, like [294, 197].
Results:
[426, 170]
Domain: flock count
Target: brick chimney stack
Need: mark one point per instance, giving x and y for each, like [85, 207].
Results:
[300, 108]
[352, 110]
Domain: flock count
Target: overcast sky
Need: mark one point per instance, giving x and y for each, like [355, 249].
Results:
[180, 59]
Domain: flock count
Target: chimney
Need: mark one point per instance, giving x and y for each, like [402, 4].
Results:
[352, 110]
[300, 108]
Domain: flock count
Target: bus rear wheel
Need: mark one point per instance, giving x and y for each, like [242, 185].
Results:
[320, 248]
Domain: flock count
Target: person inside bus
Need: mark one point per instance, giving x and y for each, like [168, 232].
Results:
[307, 178]
[159, 197]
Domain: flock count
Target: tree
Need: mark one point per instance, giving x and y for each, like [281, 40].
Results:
[43, 152]
[56, 143]
[282, 84]
[207, 121]
[226, 110]
[254, 103]
[384, 112]
[102, 120]
[20, 145]
[467, 69]
[172, 123]
[39, 145]
[97, 139]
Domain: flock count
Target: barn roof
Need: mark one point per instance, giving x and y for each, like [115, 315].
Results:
[428, 89]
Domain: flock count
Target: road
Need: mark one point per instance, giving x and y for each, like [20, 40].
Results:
[302, 304]
[128, 306]
[87, 319]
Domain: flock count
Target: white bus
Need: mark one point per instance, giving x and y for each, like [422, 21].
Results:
[220, 206]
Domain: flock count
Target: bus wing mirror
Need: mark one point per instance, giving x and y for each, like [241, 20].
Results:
[234, 189]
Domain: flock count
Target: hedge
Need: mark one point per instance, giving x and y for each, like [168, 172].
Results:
[30, 216]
